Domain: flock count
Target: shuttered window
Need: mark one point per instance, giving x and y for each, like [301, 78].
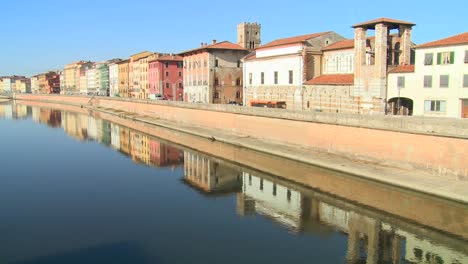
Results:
[447, 57]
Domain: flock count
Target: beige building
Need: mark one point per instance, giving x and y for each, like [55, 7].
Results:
[34, 84]
[74, 77]
[437, 84]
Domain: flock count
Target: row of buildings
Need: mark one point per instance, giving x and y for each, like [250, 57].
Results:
[379, 71]
[145, 75]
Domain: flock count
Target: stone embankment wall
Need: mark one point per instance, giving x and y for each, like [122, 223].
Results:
[440, 145]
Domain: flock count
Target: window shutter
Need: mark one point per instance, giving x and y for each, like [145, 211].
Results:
[439, 58]
[452, 57]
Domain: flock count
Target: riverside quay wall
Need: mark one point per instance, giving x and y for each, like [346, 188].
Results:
[435, 144]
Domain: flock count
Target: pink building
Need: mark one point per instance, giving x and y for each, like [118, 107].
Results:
[165, 78]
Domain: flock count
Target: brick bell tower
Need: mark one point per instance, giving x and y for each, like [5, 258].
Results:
[249, 35]
[375, 56]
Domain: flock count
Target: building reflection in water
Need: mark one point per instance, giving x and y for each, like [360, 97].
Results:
[373, 236]
[140, 147]
[210, 176]
[306, 211]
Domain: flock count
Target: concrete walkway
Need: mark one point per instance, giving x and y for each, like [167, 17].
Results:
[409, 178]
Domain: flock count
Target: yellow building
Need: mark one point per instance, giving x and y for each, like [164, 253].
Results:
[23, 85]
[135, 89]
[123, 78]
[140, 147]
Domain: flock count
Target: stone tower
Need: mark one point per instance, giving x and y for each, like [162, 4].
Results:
[249, 35]
[375, 56]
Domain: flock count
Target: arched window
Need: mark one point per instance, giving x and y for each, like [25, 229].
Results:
[238, 82]
[216, 95]
[216, 82]
[238, 95]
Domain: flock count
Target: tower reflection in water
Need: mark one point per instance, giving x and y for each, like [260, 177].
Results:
[373, 236]
[306, 211]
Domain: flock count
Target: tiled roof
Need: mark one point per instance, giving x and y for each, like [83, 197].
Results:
[332, 79]
[140, 55]
[403, 69]
[388, 21]
[123, 61]
[292, 40]
[170, 58]
[343, 44]
[453, 40]
[251, 56]
[224, 45]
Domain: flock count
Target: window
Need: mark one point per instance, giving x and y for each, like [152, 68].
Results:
[216, 82]
[180, 85]
[274, 189]
[290, 77]
[276, 77]
[238, 95]
[427, 81]
[216, 63]
[179, 64]
[180, 74]
[167, 85]
[466, 56]
[167, 64]
[445, 57]
[444, 81]
[167, 73]
[465, 80]
[238, 63]
[262, 78]
[250, 78]
[434, 106]
[238, 82]
[401, 82]
[428, 57]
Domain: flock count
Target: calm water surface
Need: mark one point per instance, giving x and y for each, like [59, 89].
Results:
[77, 189]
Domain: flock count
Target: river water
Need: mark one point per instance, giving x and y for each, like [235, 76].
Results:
[76, 188]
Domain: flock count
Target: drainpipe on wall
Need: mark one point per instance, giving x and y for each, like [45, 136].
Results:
[244, 88]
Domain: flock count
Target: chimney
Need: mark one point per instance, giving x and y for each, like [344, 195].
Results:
[214, 41]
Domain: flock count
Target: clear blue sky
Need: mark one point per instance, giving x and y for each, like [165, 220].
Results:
[40, 35]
